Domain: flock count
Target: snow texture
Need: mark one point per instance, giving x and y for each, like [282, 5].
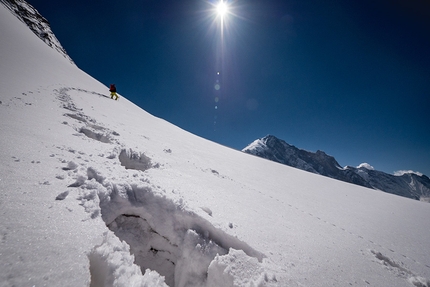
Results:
[91, 199]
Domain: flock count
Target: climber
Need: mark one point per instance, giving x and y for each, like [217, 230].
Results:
[113, 92]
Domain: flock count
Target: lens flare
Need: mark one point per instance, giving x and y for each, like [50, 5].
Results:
[221, 16]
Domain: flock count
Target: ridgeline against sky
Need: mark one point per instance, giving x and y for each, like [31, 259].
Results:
[351, 78]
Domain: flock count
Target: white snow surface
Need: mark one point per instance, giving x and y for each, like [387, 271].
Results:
[96, 192]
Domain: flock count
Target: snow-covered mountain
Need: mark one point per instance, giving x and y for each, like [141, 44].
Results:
[95, 192]
[407, 184]
[36, 22]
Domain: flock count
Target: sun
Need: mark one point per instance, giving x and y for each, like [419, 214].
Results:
[222, 8]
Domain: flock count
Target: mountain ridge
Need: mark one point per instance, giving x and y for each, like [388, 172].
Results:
[408, 184]
[40, 26]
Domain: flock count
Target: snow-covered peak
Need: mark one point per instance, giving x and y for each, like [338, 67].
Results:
[36, 22]
[258, 144]
[402, 172]
[366, 166]
[273, 148]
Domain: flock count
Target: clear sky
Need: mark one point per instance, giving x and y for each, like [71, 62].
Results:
[351, 78]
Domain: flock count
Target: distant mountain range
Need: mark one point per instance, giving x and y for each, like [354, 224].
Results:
[407, 184]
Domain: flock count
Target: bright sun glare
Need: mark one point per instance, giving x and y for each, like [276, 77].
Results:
[221, 9]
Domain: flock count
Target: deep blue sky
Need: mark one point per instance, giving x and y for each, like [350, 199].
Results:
[351, 78]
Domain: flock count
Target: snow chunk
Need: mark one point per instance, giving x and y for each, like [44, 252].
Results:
[95, 135]
[238, 269]
[111, 264]
[93, 173]
[71, 165]
[197, 254]
[419, 281]
[133, 160]
[366, 166]
[207, 210]
[62, 195]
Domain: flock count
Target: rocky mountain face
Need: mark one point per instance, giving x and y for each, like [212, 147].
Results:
[36, 22]
[407, 184]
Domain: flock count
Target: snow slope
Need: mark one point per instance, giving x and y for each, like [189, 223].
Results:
[95, 192]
